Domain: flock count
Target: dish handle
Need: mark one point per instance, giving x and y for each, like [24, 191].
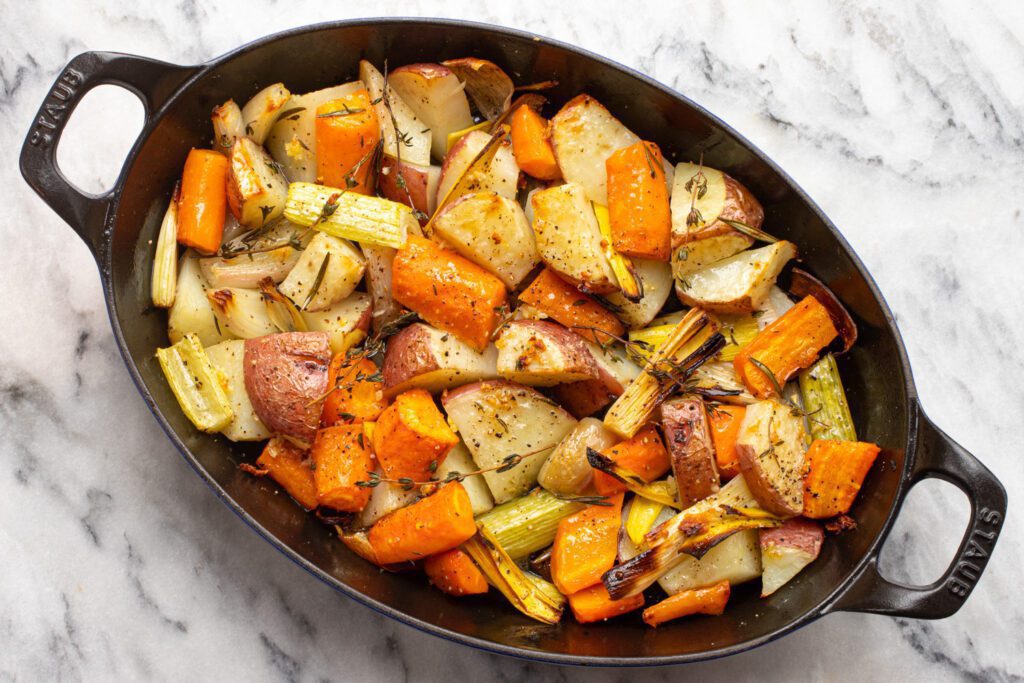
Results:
[150, 80]
[940, 457]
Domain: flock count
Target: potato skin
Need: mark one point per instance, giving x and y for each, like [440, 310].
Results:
[688, 439]
[283, 374]
[777, 481]
[542, 353]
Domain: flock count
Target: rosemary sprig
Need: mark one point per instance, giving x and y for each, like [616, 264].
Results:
[291, 114]
[344, 111]
[750, 231]
[508, 462]
[318, 281]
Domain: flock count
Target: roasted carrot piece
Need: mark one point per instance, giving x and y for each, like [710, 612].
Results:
[342, 458]
[835, 471]
[725, 423]
[530, 144]
[563, 303]
[454, 573]
[427, 527]
[347, 132]
[644, 454]
[411, 437]
[707, 600]
[203, 201]
[448, 291]
[638, 202]
[789, 344]
[594, 604]
[292, 468]
[355, 396]
[586, 544]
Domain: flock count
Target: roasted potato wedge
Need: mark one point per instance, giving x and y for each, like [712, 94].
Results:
[346, 322]
[615, 372]
[292, 139]
[412, 140]
[738, 284]
[437, 97]
[257, 190]
[421, 356]
[249, 269]
[685, 424]
[786, 550]
[327, 272]
[770, 445]
[385, 498]
[656, 280]
[378, 283]
[542, 354]
[501, 175]
[228, 357]
[500, 419]
[284, 375]
[491, 231]
[736, 560]
[487, 84]
[584, 134]
[410, 184]
[459, 460]
[569, 239]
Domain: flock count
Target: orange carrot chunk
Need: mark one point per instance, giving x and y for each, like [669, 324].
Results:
[835, 472]
[292, 468]
[448, 291]
[707, 600]
[412, 438]
[355, 397]
[342, 458]
[563, 303]
[530, 144]
[638, 202]
[203, 201]
[594, 604]
[454, 573]
[347, 132]
[586, 544]
[725, 423]
[644, 455]
[430, 526]
[789, 344]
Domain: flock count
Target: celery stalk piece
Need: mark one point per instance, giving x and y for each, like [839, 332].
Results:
[165, 263]
[196, 384]
[348, 215]
[825, 401]
[527, 524]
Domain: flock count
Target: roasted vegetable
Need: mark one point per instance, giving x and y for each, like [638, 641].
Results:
[203, 200]
[835, 472]
[429, 526]
[347, 133]
[585, 546]
[292, 468]
[724, 424]
[228, 126]
[164, 280]
[403, 134]
[228, 358]
[638, 202]
[641, 518]
[738, 284]
[425, 357]
[688, 437]
[771, 446]
[195, 384]
[457, 466]
[487, 85]
[567, 471]
[261, 112]
[631, 288]
[436, 96]
[346, 322]
[327, 272]
[453, 572]
[342, 459]
[642, 455]
[192, 312]
[348, 215]
[356, 392]
[528, 523]
[595, 604]
[531, 146]
[709, 600]
[563, 303]
[542, 354]
[785, 551]
[240, 312]
[825, 401]
[411, 437]
[479, 162]
[256, 187]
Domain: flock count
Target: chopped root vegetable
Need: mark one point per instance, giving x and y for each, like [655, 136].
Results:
[835, 472]
[586, 545]
[342, 459]
[448, 291]
[430, 526]
[643, 455]
[531, 146]
[594, 604]
[725, 421]
[203, 202]
[355, 393]
[411, 437]
[708, 600]
[454, 573]
[787, 345]
[347, 133]
[291, 467]
[638, 202]
[563, 303]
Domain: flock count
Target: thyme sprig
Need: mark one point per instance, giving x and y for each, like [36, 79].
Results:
[697, 186]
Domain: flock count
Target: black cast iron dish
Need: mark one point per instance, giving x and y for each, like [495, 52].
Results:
[178, 100]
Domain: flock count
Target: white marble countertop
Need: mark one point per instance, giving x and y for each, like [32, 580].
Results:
[904, 121]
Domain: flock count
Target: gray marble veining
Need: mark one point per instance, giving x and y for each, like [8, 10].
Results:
[904, 120]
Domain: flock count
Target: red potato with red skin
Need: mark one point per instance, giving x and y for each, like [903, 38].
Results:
[688, 438]
[284, 374]
[542, 354]
[786, 550]
[487, 84]
[591, 395]
[421, 183]
[770, 446]
[421, 356]
[437, 97]
[501, 176]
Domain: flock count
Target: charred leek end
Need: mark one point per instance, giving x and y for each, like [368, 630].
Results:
[642, 515]
[281, 310]
[625, 271]
[719, 381]
[657, 492]
[165, 264]
[348, 215]
[825, 401]
[688, 533]
[528, 523]
[521, 590]
[693, 341]
[467, 181]
[196, 384]
[738, 330]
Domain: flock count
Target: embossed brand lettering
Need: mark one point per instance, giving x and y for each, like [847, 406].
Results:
[958, 588]
[968, 570]
[54, 108]
[974, 549]
[989, 516]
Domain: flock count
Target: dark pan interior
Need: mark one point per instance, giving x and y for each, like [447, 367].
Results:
[875, 378]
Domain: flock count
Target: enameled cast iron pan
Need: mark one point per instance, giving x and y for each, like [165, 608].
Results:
[118, 225]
